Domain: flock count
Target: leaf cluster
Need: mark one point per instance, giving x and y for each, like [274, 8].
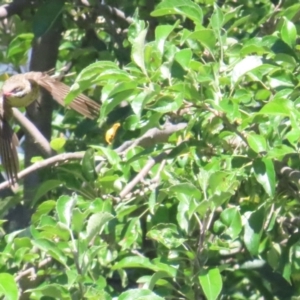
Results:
[207, 210]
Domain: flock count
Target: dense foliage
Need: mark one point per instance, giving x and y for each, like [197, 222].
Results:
[189, 185]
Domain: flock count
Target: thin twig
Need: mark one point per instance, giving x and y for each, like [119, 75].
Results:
[32, 270]
[151, 162]
[223, 116]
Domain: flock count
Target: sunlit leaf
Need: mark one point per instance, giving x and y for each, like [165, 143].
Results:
[8, 287]
[211, 283]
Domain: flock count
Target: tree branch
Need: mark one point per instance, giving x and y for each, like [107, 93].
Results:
[31, 272]
[60, 158]
[14, 8]
[151, 162]
[150, 138]
[40, 141]
[115, 13]
[111, 12]
[287, 172]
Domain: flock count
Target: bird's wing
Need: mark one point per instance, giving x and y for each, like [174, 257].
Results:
[82, 104]
[8, 147]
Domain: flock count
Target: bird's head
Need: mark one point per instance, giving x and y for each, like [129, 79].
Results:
[16, 87]
[18, 91]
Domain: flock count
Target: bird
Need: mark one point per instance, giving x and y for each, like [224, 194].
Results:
[111, 133]
[21, 90]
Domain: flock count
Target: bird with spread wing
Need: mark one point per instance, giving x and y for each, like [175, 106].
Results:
[19, 91]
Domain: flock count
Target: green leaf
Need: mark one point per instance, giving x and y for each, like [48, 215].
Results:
[139, 294]
[137, 52]
[111, 155]
[265, 174]
[155, 277]
[257, 143]
[183, 211]
[44, 188]
[111, 91]
[203, 207]
[232, 219]
[96, 223]
[231, 14]
[219, 197]
[219, 227]
[137, 105]
[217, 18]
[96, 69]
[285, 263]
[43, 209]
[51, 249]
[97, 292]
[153, 58]
[253, 230]
[64, 208]
[240, 21]
[130, 234]
[166, 104]
[288, 32]
[162, 32]
[211, 283]
[281, 79]
[187, 189]
[280, 107]
[113, 94]
[206, 37]
[52, 290]
[220, 181]
[134, 262]
[166, 234]
[250, 48]
[8, 287]
[182, 148]
[290, 11]
[293, 135]
[95, 73]
[78, 220]
[245, 65]
[184, 57]
[88, 165]
[186, 8]
[167, 267]
[19, 45]
[259, 73]
[57, 144]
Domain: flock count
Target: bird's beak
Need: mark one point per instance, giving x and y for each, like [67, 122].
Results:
[6, 95]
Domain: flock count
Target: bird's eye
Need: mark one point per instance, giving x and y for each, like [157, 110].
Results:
[16, 90]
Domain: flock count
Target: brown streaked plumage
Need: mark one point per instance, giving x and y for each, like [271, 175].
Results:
[21, 90]
[8, 143]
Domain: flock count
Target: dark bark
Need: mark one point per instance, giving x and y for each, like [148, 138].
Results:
[44, 56]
